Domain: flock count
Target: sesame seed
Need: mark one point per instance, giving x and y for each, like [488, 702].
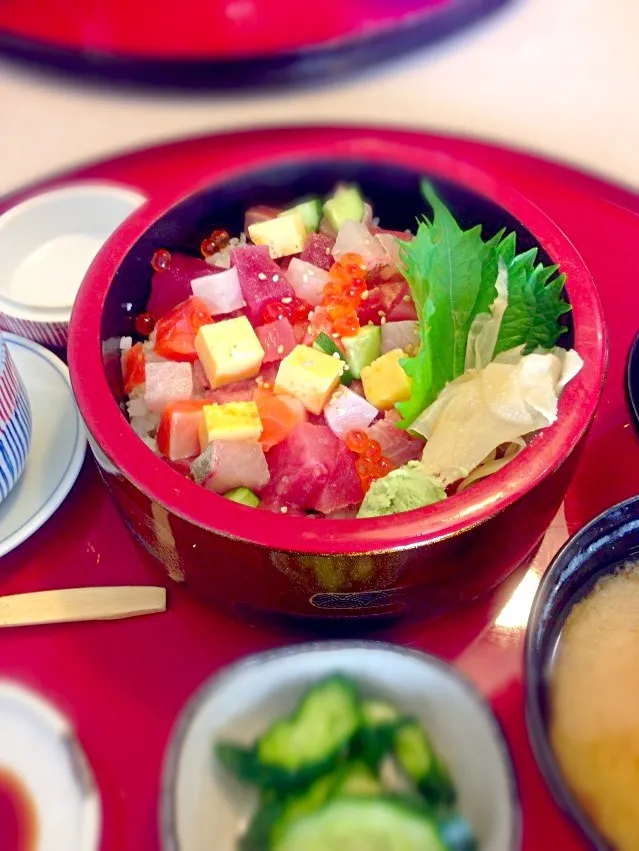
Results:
[309, 329]
[328, 251]
[287, 299]
[305, 278]
[365, 295]
[310, 315]
[261, 276]
[335, 335]
[406, 298]
[381, 313]
[363, 267]
[266, 385]
[284, 509]
[367, 241]
[280, 350]
[382, 321]
[276, 278]
[336, 356]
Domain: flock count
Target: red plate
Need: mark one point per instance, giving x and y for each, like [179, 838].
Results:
[226, 43]
[123, 683]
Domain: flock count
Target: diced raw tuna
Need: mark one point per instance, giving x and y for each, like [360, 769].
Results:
[312, 469]
[400, 335]
[166, 382]
[403, 310]
[346, 410]
[391, 298]
[320, 323]
[307, 280]
[355, 238]
[177, 436]
[397, 444]
[277, 339]
[261, 213]
[221, 292]
[200, 381]
[227, 464]
[318, 251]
[173, 285]
[261, 279]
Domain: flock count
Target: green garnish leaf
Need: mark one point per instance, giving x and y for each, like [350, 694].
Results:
[452, 275]
[535, 302]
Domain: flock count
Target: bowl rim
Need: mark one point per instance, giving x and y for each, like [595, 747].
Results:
[535, 664]
[632, 371]
[167, 816]
[41, 314]
[156, 480]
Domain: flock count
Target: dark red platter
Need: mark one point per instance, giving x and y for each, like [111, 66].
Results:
[222, 44]
[122, 683]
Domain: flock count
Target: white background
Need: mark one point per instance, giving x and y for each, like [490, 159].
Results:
[560, 77]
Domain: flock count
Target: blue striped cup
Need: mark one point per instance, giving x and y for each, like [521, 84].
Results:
[15, 422]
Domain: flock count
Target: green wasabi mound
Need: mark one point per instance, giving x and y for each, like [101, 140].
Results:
[403, 489]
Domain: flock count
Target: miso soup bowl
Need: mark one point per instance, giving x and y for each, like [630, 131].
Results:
[597, 550]
[260, 565]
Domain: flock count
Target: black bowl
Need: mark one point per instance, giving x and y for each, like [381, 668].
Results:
[632, 382]
[595, 551]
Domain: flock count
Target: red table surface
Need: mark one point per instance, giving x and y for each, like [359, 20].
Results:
[123, 683]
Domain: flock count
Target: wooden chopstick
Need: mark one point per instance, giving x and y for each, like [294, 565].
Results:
[81, 604]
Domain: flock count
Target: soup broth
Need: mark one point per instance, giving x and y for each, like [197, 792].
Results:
[595, 706]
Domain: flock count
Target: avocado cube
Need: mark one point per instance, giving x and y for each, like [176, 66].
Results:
[345, 205]
[363, 348]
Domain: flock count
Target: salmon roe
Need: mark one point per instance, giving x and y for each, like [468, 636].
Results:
[144, 324]
[370, 463]
[161, 260]
[217, 241]
[343, 293]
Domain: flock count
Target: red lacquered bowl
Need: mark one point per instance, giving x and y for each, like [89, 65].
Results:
[260, 565]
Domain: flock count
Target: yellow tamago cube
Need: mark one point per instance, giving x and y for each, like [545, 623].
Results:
[284, 236]
[231, 421]
[310, 376]
[229, 351]
[385, 382]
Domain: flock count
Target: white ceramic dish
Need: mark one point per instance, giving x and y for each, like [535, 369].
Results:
[38, 748]
[47, 244]
[202, 808]
[58, 444]
[15, 422]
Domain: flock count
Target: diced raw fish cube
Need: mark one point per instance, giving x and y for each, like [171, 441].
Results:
[389, 300]
[177, 436]
[312, 469]
[239, 391]
[200, 381]
[397, 444]
[167, 382]
[261, 279]
[277, 339]
[260, 213]
[173, 285]
[227, 464]
[400, 335]
[355, 238]
[220, 292]
[307, 280]
[346, 411]
[318, 250]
